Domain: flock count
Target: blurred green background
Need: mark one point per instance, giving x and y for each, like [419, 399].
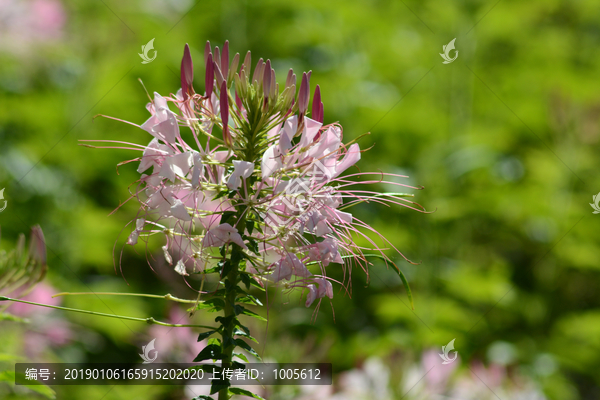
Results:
[505, 141]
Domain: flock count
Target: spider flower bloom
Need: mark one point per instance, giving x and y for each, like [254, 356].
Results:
[263, 173]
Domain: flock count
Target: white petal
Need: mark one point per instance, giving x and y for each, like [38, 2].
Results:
[179, 211]
[180, 268]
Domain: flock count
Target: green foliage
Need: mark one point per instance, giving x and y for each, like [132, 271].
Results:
[44, 390]
[244, 392]
[493, 137]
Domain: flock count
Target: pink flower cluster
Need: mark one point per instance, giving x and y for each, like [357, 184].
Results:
[260, 174]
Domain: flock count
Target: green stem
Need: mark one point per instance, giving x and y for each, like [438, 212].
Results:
[167, 296]
[150, 320]
[227, 339]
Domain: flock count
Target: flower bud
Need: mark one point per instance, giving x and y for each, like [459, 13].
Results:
[207, 51]
[303, 94]
[258, 71]
[37, 246]
[322, 113]
[217, 55]
[274, 87]
[291, 78]
[242, 83]
[239, 86]
[187, 73]
[238, 101]
[218, 74]
[316, 106]
[247, 63]
[209, 80]
[225, 60]
[267, 79]
[225, 114]
[233, 68]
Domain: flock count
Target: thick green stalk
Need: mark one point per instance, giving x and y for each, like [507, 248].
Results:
[228, 341]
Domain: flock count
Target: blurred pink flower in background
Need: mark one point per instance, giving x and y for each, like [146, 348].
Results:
[50, 332]
[439, 374]
[42, 293]
[25, 22]
[47, 328]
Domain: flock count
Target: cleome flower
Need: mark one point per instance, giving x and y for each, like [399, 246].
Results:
[258, 172]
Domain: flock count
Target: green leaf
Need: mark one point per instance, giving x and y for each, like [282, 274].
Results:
[9, 377]
[244, 328]
[242, 356]
[238, 365]
[220, 194]
[227, 265]
[241, 343]
[249, 226]
[406, 286]
[224, 320]
[203, 397]
[249, 299]
[204, 335]
[217, 385]
[244, 392]
[253, 246]
[242, 310]
[14, 318]
[210, 352]
[226, 216]
[209, 368]
[210, 270]
[247, 280]
[239, 332]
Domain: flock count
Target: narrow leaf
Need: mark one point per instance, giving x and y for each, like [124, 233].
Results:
[210, 352]
[244, 392]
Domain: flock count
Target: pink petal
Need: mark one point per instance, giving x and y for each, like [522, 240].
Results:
[352, 156]
[311, 296]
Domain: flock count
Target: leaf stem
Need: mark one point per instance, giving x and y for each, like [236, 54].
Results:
[149, 320]
[167, 296]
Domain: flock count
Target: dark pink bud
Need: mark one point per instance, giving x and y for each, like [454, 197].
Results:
[187, 72]
[267, 79]
[316, 106]
[209, 79]
[225, 113]
[225, 59]
[322, 113]
[303, 94]
[207, 51]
